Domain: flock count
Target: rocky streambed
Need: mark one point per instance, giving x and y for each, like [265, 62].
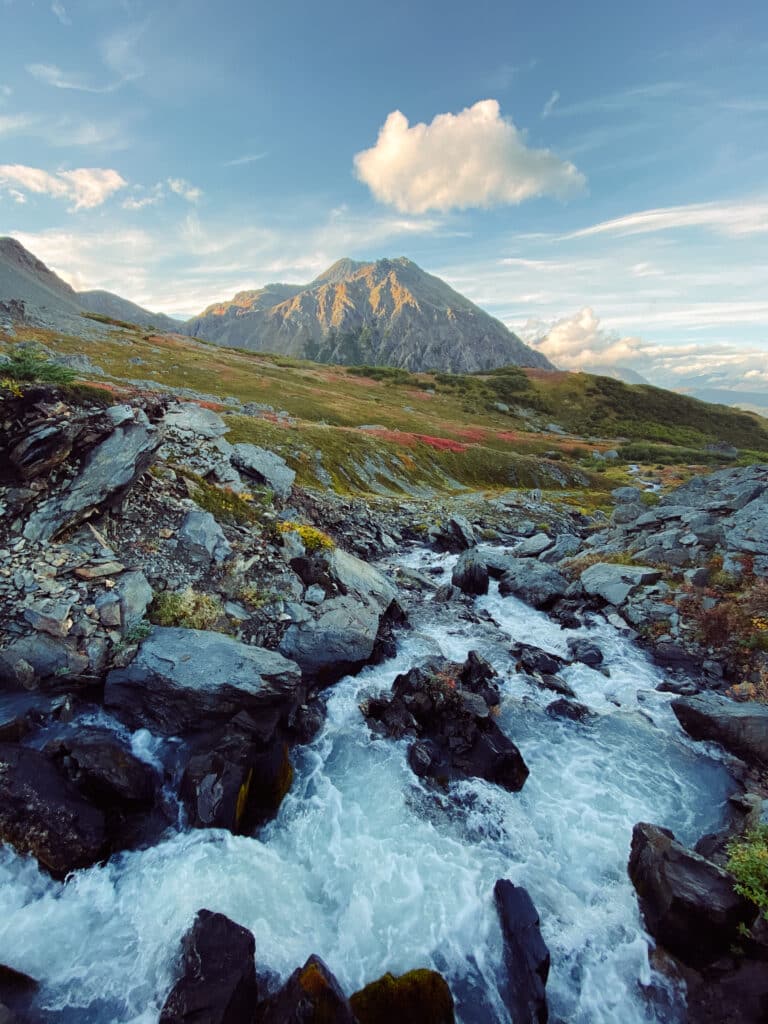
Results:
[459, 761]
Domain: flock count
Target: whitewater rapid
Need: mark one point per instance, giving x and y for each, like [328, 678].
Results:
[375, 872]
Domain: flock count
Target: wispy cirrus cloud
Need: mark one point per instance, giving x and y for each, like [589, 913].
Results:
[250, 158]
[143, 197]
[734, 219]
[475, 158]
[10, 123]
[58, 8]
[181, 187]
[53, 75]
[551, 103]
[119, 54]
[84, 187]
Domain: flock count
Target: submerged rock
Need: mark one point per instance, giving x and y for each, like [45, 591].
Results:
[43, 814]
[312, 995]
[740, 728]
[186, 680]
[526, 955]
[688, 903]
[418, 997]
[218, 975]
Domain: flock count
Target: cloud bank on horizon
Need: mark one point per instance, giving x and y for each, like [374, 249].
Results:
[611, 211]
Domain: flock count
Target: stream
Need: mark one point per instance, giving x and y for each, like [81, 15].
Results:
[375, 872]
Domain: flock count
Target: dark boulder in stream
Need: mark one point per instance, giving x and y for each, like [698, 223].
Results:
[740, 728]
[418, 997]
[447, 707]
[525, 954]
[310, 996]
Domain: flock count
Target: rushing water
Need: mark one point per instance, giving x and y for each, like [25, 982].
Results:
[374, 872]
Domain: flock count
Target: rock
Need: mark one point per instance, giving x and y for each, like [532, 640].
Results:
[614, 583]
[49, 616]
[747, 530]
[17, 994]
[195, 419]
[533, 582]
[534, 659]
[40, 658]
[525, 954]
[134, 594]
[99, 571]
[740, 728]
[456, 535]
[688, 903]
[566, 545]
[570, 709]
[265, 467]
[456, 736]
[310, 996]
[418, 997]
[623, 515]
[218, 976]
[43, 814]
[626, 495]
[583, 650]
[314, 594]
[186, 680]
[358, 579]
[107, 471]
[470, 574]
[533, 546]
[202, 539]
[728, 994]
[680, 687]
[45, 446]
[108, 607]
[338, 639]
[555, 684]
[239, 783]
[103, 769]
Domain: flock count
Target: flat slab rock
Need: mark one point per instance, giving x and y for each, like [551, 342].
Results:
[740, 728]
[188, 679]
[614, 583]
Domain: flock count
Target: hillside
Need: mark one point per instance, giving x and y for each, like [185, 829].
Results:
[387, 313]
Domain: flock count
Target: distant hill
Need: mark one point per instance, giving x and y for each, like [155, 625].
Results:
[388, 313]
[25, 278]
[623, 373]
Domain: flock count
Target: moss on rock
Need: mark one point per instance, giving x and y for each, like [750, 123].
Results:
[418, 997]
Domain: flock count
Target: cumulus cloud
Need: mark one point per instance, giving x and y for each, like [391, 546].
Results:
[84, 187]
[475, 158]
[580, 340]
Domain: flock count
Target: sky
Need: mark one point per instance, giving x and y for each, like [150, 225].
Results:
[594, 174]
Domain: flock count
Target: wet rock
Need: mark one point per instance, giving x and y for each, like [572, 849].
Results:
[418, 997]
[584, 651]
[614, 583]
[202, 539]
[218, 976]
[536, 583]
[470, 574]
[533, 546]
[310, 996]
[740, 728]
[534, 659]
[555, 684]
[680, 687]
[43, 814]
[688, 903]
[338, 639]
[265, 467]
[570, 709]
[17, 995]
[186, 680]
[733, 992]
[103, 769]
[40, 658]
[456, 737]
[455, 536]
[526, 956]
[239, 783]
[107, 471]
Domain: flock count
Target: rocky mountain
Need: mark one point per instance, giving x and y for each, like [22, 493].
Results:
[40, 295]
[389, 312]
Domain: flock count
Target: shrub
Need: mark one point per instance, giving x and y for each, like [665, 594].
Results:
[188, 608]
[748, 863]
[29, 365]
[312, 538]
[225, 505]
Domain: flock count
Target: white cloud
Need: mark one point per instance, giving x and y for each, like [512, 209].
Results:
[182, 188]
[119, 51]
[475, 158]
[241, 160]
[549, 106]
[580, 340]
[51, 74]
[16, 196]
[733, 219]
[10, 123]
[60, 11]
[84, 187]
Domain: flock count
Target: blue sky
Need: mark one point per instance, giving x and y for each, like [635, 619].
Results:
[594, 175]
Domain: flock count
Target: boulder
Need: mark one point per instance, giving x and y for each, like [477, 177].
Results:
[218, 976]
[534, 659]
[584, 651]
[470, 574]
[740, 728]
[626, 495]
[526, 956]
[103, 769]
[688, 903]
[187, 680]
[134, 594]
[535, 583]
[195, 420]
[747, 530]
[264, 467]
[356, 578]
[17, 995]
[107, 471]
[202, 539]
[456, 535]
[614, 583]
[445, 706]
[312, 995]
[339, 638]
[418, 997]
[570, 709]
[731, 993]
[40, 657]
[566, 545]
[43, 814]
[533, 546]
